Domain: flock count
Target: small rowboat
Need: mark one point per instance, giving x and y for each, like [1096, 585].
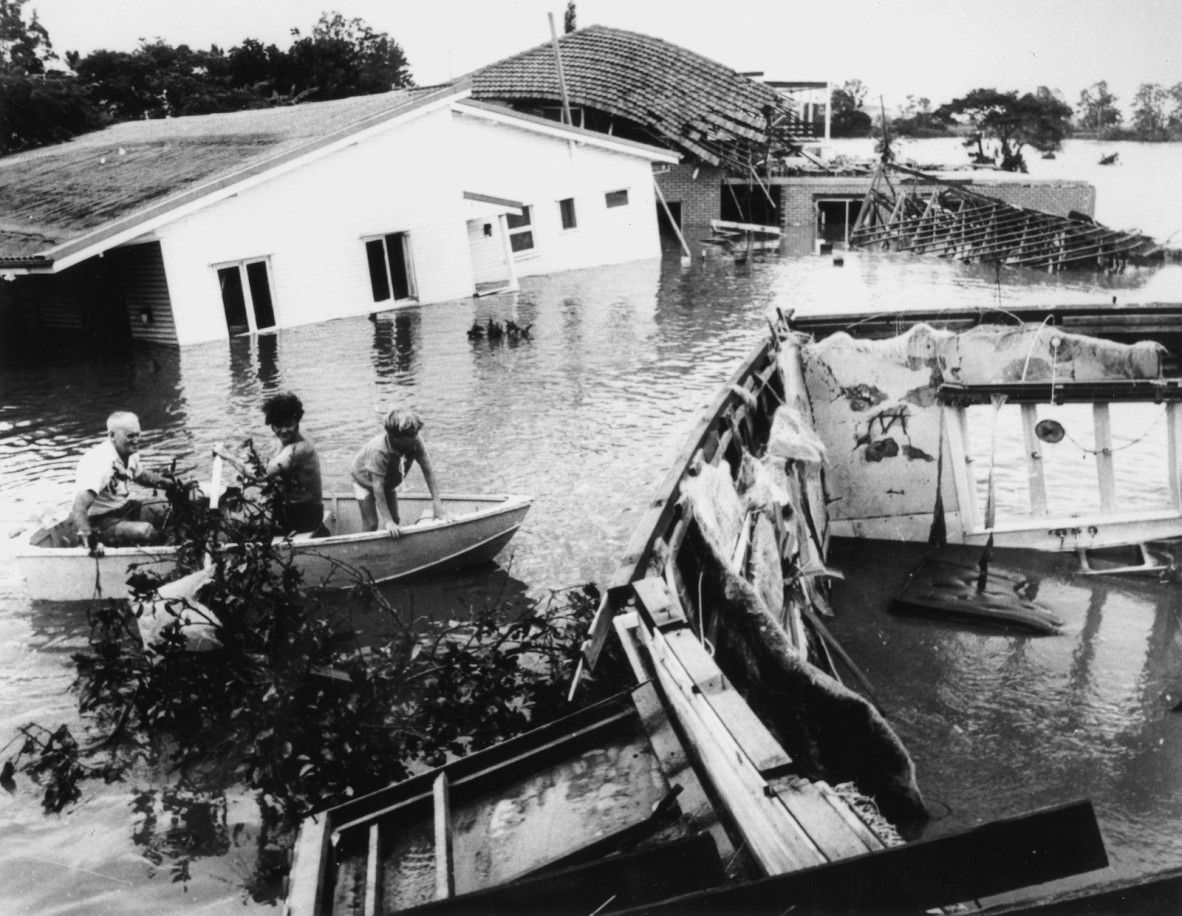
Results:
[55, 568]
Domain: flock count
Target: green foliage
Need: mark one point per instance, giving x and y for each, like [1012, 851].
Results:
[313, 698]
[1040, 120]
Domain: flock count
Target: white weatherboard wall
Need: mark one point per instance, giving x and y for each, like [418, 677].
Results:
[519, 164]
[311, 222]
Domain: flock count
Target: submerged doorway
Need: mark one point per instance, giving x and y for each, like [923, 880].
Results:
[836, 217]
[246, 296]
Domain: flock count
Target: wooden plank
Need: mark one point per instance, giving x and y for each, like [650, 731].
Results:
[820, 820]
[498, 765]
[373, 869]
[445, 871]
[956, 427]
[1034, 464]
[612, 883]
[1105, 472]
[1174, 453]
[774, 838]
[1124, 390]
[655, 602]
[309, 867]
[1159, 893]
[994, 858]
[697, 809]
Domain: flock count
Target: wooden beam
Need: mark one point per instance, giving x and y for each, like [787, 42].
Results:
[1105, 471]
[995, 858]
[1123, 390]
[373, 869]
[445, 869]
[309, 867]
[1034, 464]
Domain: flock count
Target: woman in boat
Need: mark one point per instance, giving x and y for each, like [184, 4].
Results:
[299, 507]
[383, 462]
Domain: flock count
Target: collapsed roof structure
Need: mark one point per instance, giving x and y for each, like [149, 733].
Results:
[926, 214]
[648, 89]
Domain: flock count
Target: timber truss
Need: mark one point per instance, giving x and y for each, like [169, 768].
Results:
[923, 214]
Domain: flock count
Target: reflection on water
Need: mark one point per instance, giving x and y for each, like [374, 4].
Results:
[585, 415]
[1000, 723]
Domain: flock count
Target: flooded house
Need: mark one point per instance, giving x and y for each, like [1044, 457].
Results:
[199, 228]
[752, 150]
[726, 125]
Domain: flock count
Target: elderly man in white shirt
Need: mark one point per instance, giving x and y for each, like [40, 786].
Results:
[103, 506]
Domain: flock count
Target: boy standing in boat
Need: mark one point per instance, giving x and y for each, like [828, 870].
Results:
[382, 464]
[103, 507]
[301, 505]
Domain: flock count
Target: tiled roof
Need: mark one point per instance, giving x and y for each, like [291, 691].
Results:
[52, 195]
[688, 100]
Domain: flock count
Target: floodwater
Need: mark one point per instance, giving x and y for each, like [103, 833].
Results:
[586, 415]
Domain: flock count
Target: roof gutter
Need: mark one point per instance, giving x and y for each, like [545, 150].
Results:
[25, 266]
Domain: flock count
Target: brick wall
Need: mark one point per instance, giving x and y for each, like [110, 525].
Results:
[1056, 197]
[700, 198]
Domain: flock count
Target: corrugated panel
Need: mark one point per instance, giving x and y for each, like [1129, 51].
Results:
[145, 293]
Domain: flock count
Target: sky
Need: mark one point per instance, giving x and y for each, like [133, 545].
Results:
[934, 49]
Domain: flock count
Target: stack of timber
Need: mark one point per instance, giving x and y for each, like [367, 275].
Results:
[908, 210]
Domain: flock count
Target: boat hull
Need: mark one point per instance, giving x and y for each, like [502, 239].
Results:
[477, 529]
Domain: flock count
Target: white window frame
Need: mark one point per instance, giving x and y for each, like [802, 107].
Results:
[412, 285]
[247, 295]
[530, 226]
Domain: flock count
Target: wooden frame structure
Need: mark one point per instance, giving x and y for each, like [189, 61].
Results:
[922, 214]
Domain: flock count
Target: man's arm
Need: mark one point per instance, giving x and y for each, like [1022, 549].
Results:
[148, 479]
[80, 513]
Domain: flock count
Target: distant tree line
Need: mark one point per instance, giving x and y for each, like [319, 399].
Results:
[998, 126]
[42, 102]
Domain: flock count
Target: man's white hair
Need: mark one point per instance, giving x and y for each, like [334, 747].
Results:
[121, 418]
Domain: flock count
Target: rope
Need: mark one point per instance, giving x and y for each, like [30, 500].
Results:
[1120, 448]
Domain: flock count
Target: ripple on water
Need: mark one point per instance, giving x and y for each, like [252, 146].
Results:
[586, 416]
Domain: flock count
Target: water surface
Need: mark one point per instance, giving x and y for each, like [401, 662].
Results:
[586, 416]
